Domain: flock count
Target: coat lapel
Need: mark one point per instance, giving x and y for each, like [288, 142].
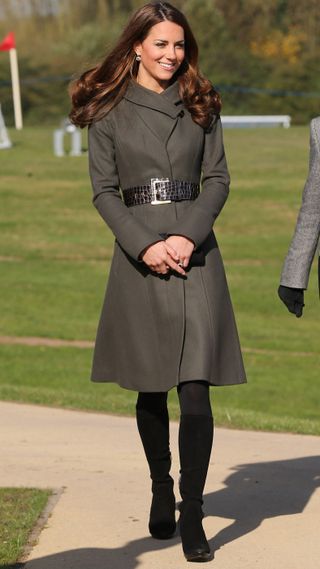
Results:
[168, 102]
[158, 111]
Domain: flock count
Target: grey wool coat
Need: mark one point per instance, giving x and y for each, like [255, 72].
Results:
[156, 331]
[297, 265]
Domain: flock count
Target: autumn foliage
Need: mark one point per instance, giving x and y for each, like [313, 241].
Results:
[264, 55]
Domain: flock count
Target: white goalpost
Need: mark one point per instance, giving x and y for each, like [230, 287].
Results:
[8, 44]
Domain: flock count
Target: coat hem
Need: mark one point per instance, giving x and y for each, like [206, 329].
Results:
[171, 386]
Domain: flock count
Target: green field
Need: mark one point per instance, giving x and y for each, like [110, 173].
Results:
[55, 253]
[19, 510]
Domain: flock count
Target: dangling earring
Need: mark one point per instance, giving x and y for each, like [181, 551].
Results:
[138, 57]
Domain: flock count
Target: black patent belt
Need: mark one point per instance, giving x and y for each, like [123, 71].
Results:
[160, 191]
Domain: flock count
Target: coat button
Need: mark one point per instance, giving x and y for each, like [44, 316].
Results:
[181, 114]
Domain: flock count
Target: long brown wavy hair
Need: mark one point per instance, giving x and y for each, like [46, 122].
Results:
[101, 88]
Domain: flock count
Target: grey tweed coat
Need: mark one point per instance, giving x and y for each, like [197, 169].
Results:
[297, 265]
[157, 331]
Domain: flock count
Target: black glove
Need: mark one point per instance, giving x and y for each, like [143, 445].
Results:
[293, 299]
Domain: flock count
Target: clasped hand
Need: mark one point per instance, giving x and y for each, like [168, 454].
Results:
[171, 254]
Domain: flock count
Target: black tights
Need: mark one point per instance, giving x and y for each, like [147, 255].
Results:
[193, 396]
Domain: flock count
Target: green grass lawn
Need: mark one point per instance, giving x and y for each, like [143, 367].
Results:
[54, 258]
[19, 511]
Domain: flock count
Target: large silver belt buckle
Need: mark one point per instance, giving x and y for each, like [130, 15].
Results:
[157, 190]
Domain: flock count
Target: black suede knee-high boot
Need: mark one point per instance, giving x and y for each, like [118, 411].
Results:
[153, 427]
[195, 443]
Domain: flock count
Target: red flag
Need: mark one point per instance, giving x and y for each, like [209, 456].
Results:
[8, 42]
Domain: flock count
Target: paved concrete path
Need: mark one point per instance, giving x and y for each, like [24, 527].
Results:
[262, 500]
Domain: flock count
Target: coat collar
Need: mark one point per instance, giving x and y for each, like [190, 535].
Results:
[167, 102]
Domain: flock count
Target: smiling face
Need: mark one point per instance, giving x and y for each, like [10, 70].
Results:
[162, 53]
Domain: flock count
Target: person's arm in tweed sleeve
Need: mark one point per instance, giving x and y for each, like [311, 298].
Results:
[297, 265]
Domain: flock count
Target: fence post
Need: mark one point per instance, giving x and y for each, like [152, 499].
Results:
[75, 139]
[58, 136]
[76, 142]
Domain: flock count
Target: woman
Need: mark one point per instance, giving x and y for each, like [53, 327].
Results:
[167, 318]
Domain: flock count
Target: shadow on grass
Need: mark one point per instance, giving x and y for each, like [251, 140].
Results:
[253, 493]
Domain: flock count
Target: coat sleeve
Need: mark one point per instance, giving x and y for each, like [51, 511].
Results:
[132, 235]
[297, 265]
[199, 218]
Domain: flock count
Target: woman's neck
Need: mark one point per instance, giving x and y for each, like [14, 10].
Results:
[150, 83]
